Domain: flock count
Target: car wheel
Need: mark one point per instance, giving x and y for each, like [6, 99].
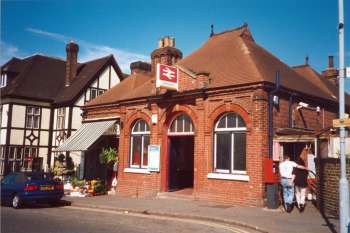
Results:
[16, 202]
[56, 202]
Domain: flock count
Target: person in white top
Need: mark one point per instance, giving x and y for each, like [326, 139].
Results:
[286, 173]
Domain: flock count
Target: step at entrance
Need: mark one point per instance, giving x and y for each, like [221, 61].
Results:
[182, 194]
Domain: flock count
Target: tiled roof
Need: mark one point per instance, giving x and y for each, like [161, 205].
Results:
[135, 86]
[316, 79]
[37, 77]
[86, 73]
[231, 58]
[42, 78]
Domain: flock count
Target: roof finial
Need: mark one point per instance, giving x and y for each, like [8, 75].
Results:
[212, 30]
[307, 60]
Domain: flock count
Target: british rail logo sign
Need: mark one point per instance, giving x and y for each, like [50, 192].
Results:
[167, 77]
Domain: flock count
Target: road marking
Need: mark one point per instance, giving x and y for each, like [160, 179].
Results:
[150, 216]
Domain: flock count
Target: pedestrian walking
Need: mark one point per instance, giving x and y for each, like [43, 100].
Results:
[286, 172]
[300, 183]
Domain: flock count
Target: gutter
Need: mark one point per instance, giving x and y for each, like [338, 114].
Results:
[271, 94]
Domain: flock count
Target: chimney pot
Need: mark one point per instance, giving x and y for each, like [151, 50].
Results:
[166, 41]
[160, 43]
[166, 54]
[330, 62]
[307, 60]
[172, 41]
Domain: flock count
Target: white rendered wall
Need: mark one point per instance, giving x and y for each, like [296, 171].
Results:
[76, 118]
[4, 118]
[16, 137]
[18, 116]
[44, 138]
[104, 79]
[45, 118]
[94, 84]
[114, 77]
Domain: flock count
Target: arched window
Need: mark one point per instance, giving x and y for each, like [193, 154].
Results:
[140, 139]
[181, 125]
[230, 144]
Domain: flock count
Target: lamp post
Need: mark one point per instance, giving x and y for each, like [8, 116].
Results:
[343, 181]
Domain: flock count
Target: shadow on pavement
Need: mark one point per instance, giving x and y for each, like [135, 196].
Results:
[34, 205]
[328, 223]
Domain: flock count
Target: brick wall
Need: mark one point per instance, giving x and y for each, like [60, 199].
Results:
[328, 171]
[304, 118]
[251, 103]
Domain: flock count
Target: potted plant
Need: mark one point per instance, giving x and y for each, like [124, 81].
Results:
[109, 157]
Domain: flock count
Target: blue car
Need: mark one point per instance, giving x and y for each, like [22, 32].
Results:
[19, 188]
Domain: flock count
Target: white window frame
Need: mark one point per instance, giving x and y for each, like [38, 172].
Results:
[99, 91]
[91, 90]
[142, 134]
[61, 118]
[176, 121]
[233, 131]
[33, 116]
[3, 80]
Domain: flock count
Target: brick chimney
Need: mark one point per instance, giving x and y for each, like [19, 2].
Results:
[166, 53]
[140, 67]
[71, 62]
[331, 72]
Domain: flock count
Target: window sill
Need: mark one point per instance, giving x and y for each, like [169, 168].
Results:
[136, 170]
[221, 176]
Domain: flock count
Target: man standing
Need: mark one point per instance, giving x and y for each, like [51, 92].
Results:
[286, 172]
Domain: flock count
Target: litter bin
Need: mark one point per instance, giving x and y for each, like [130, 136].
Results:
[272, 196]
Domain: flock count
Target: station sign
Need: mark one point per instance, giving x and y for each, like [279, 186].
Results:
[167, 77]
[345, 122]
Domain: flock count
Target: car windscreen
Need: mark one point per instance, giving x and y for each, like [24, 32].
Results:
[38, 176]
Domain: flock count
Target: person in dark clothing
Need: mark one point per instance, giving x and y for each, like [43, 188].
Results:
[300, 183]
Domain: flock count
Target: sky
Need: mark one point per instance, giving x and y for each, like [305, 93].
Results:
[130, 30]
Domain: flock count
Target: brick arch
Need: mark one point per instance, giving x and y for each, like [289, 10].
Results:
[214, 115]
[173, 111]
[133, 118]
[167, 117]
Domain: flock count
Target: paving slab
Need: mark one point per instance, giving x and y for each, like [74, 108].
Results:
[262, 219]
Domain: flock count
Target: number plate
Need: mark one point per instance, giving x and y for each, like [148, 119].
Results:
[46, 187]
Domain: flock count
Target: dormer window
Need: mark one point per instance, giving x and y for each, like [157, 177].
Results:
[3, 80]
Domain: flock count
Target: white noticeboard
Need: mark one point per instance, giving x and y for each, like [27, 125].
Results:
[153, 158]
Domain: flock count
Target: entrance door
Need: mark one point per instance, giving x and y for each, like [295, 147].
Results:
[181, 157]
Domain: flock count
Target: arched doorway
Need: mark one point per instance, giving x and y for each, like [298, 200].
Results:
[181, 153]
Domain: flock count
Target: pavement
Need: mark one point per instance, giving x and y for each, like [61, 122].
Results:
[259, 219]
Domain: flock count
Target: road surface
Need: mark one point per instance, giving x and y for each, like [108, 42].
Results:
[70, 219]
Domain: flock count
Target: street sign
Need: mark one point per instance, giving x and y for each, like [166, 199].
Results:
[345, 122]
[167, 77]
[345, 73]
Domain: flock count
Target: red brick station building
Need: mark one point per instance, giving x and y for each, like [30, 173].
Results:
[235, 105]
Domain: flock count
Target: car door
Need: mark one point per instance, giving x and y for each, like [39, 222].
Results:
[7, 187]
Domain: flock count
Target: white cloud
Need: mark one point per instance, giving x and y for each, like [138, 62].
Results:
[7, 51]
[89, 51]
[52, 35]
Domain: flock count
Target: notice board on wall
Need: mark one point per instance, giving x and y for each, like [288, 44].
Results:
[153, 158]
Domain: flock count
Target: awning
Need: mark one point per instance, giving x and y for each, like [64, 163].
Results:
[88, 133]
